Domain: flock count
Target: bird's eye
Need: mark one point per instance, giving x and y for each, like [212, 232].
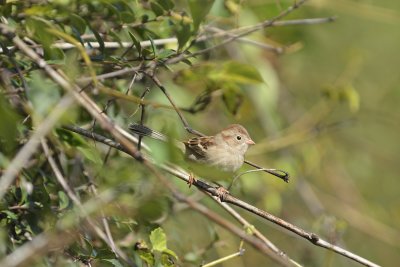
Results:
[238, 137]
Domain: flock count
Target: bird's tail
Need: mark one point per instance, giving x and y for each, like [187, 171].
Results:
[146, 131]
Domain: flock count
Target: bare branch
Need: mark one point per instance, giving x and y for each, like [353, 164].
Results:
[109, 45]
[222, 33]
[265, 24]
[181, 117]
[109, 75]
[77, 202]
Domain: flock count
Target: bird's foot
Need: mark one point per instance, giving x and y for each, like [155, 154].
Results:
[222, 193]
[191, 179]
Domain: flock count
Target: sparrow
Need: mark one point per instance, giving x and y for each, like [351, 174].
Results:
[224, 150]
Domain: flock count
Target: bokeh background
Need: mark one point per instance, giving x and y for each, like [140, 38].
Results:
[334, 125]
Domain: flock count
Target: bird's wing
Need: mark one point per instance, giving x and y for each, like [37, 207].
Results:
[198, 146]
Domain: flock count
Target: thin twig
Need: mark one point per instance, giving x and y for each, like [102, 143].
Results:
[108, 45]
[106, 226]
[71, 194]
[142, 116]
[250, 171]
[181, 117]
[224, 259]
[109, 75]
[263, 25]
[223, 33]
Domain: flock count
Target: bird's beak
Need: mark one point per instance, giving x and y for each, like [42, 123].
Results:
[250, 142]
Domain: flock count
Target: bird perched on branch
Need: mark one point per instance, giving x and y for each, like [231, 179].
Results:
[224, 150]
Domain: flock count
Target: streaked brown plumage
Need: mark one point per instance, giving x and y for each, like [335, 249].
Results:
[225, 150]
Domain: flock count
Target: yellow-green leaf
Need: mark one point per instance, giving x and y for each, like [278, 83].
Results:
[43, 93]
[199, 10]
[233, 98]
[158, 239]
[238, 72]
[91, 154]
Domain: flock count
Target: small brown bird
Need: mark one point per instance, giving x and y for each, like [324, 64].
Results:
[225, 150]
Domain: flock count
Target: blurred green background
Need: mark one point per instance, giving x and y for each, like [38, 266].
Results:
[342, 88]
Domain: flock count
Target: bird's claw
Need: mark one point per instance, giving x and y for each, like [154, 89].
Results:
[221, 193]
[191, 179]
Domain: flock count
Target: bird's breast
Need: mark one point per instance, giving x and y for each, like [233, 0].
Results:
[225, 159]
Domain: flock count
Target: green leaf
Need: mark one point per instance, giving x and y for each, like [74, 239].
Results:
[158, 239]
[136, 43]
[166, 53]
[147, 257]
[112, 10]
[8, 126]
[114, 262]
[78, 23]
[72, 67]
[38, 10]
[232, 7]
[115, 37]
[6, 9]
[157, 9]
[103, 253]
[183, 34]
[63, 200]
[166, 4]
[98, 38]
[37, 29]
[43, 93]
[153, 46]
[70, 138]
[201, 102]
[10, 215]
[351, 96]
[53, 55]
[125, 12]
[232, 98]
[238, 72]
[127, 17]
[167, 260]
[171, 253]
[91, 154]
[199, 10]
[152, 210]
